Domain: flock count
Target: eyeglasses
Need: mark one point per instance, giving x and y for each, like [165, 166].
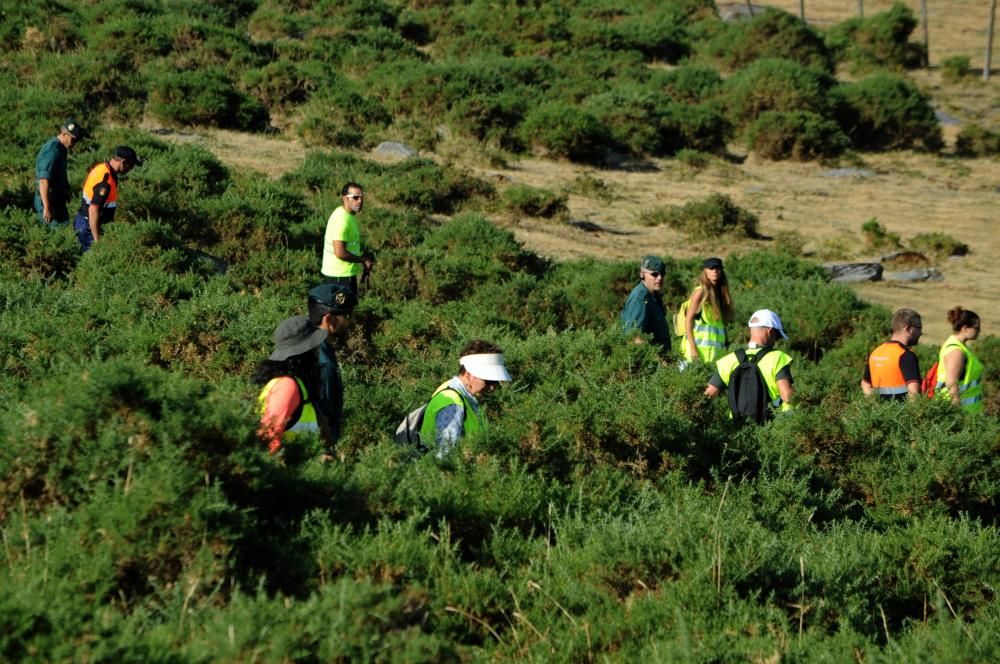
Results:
[655, 275]
[355, 197]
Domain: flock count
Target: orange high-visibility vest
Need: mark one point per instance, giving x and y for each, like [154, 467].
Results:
[98, 174]
[883, 363]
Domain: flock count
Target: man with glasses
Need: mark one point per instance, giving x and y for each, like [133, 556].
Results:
[100, 195]
[892, 370]
[343, 260]
[644, 312]
[330, 308]
[53, 192]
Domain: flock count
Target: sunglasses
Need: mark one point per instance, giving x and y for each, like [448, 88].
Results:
[355, 197]
[655, 275]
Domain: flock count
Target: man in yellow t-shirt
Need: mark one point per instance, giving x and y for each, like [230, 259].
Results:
[343, 260]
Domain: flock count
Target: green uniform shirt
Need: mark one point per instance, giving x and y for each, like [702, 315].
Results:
[51, 165]
[644, 313]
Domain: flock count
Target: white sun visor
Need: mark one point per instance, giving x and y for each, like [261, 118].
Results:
[486, 366]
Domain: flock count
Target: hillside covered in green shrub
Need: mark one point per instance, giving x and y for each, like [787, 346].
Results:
[612, 513]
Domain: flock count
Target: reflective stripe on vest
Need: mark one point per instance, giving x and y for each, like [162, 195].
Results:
[443, 397]
[305, 422]
[970, 389]
[769, 367]
[883, 364]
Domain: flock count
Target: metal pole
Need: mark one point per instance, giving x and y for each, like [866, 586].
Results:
[989, 40]
[861, 8]
[927, 43]
[802, 10]
[750, 7]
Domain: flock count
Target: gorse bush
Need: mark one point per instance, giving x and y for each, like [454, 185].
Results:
[714, 216]
[776, 85]
[881, 40]
[797, 135]
[976, 141]
[770, 34]
[885, 112]
[533, 201]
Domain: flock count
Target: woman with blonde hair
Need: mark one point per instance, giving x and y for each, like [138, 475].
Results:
[706, 313]
[960, 373]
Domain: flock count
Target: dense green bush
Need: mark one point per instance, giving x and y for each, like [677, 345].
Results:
[775, 85]
[797, 135]
[564, 131]
[886, 112]
[205, 96]
[714, 216]
[533, 201]
[955, 68]
[770, 34]
[976, 141]
[690, 83]
[881, 40]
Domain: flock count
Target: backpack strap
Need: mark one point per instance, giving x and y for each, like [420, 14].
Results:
[763, 351]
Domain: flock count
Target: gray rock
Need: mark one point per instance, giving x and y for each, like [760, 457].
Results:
[393, 151]
[738, 11]
[928, 274]
[849, 173]
[946, 119]
[852, 273]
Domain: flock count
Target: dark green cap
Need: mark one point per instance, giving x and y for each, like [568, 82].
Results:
[653, 264]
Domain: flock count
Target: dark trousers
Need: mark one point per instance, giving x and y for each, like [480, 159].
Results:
[82, 227]
[351, 282]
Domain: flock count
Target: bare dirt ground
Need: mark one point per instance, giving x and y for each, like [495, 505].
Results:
[800, 206]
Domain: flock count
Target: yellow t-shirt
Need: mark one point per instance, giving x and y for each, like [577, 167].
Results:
[342, 226]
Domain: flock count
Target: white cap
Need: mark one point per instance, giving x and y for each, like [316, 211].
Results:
[485, 366]
[767, 318]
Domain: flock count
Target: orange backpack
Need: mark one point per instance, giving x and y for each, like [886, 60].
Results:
[929, 382]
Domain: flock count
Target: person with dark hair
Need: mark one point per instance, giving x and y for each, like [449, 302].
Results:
[644, 312]
[454, 410]
[960, 372]
[330, 309]
[706, 313]
[343, 260]
[289, 380]
[100, 195]
[53, 192]
[892, 370]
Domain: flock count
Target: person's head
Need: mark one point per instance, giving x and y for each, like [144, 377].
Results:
[296, 341]
[124, 159]
[353, 197]
[651, 272]
[765, 327]
[907, 326]
[964, 323]
[70, 133]
[331, 306]
[716, 287]
[481, 366]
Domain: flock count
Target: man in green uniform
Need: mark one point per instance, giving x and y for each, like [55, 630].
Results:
[52, 190]
[644, 312]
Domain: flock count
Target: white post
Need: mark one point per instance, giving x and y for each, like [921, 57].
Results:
[989, 40]
[861, 8]
[927, 43]
[802, 10]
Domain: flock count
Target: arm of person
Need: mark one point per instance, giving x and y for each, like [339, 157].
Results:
[715, 386]
[340, 251]
[910, 369]
[93, 219]
[954, 367]
[282, 401]
[43, 193]
[696, 299]
[449, 425]
[786, 391]
[633, 318]
[866, 380]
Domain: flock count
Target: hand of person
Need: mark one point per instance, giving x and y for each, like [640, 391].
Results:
[46, 214]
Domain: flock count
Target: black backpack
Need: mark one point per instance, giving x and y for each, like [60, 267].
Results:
[749, 399]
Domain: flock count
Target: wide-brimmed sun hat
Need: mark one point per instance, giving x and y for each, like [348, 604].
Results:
[294, 336]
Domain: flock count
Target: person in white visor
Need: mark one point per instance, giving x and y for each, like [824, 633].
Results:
[454, 411]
